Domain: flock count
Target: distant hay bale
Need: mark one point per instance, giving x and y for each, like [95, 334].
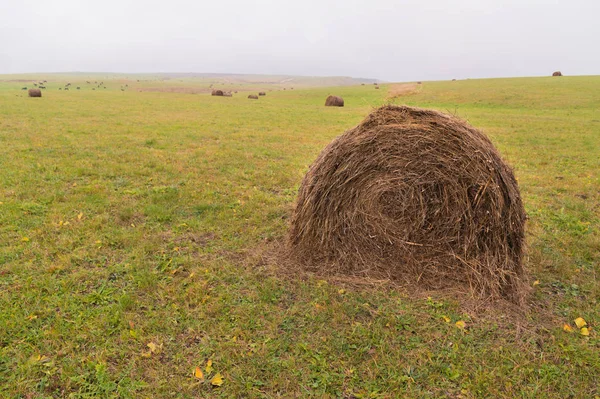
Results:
[227, 94]
[454, 80]
[334, 101]
[419, 83]
[35, 93]
[262, 93]
[377, 87]
[217, 93]
[253, 96]
[416, 196]
[557, 73]
[362, 84]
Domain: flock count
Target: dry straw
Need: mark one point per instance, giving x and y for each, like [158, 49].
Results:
[416, 196]
[334, 101]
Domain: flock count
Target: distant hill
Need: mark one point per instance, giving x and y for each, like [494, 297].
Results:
[287, 80]
[201, 78]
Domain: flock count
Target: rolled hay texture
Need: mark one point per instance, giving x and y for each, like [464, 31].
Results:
[416, 196]
[217, 92]
[35, 93]
[334, 101]
[557, 73]
[253, 96]
[262, 93]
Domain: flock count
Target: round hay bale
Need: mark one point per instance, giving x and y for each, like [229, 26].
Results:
[262, 93]
[557, 73]
[253, 96]
[377, 87]
[217, 93]
[416, 196]
[334, 101]
[35, 93]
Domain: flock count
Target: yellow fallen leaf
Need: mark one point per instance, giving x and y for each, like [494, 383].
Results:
[80, 216]
[341, 292]
[199, 374]
[74, 185]
[31, 317]
[580, 322]
[192, 274]
[584, 331]
[446, 319]
[43, 359]
[460, 324]
[25, 239]
[536, 282]
[217, 380]
[567, 328]
[208, 366]
[67, 223]
[153, 347]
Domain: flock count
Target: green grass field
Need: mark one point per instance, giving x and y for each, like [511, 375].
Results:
[131, 223]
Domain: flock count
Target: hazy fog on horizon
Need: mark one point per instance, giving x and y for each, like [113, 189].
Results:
[381, 39]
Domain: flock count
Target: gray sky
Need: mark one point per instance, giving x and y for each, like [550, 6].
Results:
[397, 40]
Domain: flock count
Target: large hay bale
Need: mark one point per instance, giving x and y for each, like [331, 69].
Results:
[334, 101]
[253, 96]
[217, 93]
[416, 196]
[262, 93]
[35, 93]
[557, 73]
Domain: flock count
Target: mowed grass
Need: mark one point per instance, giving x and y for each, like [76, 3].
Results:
[134, 218]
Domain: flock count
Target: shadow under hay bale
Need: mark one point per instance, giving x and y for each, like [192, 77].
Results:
[35, 93]
[557, 73]
[253, 96]
[334, 101]
[217, 93]
[416, 196]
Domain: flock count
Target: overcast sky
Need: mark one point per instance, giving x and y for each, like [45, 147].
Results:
[394, 40]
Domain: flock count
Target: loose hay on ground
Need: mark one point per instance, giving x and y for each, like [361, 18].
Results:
[417, 196]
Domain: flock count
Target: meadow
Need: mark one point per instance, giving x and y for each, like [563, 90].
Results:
[133, 225]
